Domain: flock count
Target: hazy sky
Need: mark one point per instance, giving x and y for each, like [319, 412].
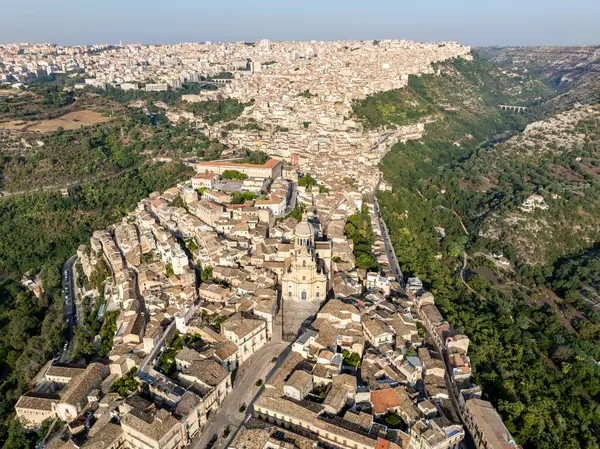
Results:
[471, 22]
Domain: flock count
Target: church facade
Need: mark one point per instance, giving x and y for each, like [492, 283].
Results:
[304, 285]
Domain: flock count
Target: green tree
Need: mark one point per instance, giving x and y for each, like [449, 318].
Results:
[81, 345]
[17, 437]
[307, 181]
[242, 197]
[127, 384]
[206, 273]
[107, 333]
[233, 174]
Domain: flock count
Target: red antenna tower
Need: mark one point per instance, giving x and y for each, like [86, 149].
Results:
[294, 160]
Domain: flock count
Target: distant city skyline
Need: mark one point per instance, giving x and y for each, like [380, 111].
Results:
[470, 22]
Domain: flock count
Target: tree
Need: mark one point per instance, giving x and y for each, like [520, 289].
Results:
[241, 197]
[359, 229]
[307, 181]
[81, 345]
[178, 202]
[17, 438]
[99, 275]
[257, 157]
[127, 384]
[51, 277]
[107, 333]
[218, 320]
[351, 358]
[206, 273]
[393, 420]
[233, 174]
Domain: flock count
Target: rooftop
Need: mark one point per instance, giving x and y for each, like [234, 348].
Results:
[269, 164]
[490, 424]
[153, 425]
[207, 371]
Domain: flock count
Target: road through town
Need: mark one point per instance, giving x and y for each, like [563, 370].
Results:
[259, 366]
[389, 249]
[70, 306]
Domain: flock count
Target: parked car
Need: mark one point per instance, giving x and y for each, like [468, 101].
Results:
[212, 441]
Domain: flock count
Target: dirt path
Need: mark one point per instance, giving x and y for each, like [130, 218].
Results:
[457, 216]
[462, 276]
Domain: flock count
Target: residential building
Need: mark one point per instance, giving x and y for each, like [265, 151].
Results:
[249, 334]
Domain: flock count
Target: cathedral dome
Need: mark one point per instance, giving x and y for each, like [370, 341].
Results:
[304, 229]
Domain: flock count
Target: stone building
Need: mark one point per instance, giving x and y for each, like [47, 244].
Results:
[304, 285]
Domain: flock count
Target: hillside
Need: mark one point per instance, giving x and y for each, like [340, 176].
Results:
[61, 139]
[473, 168]
[556, 159]
[574, 71]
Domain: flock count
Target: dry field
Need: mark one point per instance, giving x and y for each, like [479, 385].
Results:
[69, 121]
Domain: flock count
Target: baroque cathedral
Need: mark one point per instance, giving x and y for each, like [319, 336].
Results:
[305, 283]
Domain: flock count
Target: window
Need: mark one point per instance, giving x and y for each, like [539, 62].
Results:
[303, 278]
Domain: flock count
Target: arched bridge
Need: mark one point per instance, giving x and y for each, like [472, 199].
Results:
[215, 82]
[510, 108]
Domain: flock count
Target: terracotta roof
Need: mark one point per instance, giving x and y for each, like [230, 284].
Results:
[205, 176]
[382, 444]
[336, 307]
[225, 349]
[269, 164]
[362, 419]
[383, 400]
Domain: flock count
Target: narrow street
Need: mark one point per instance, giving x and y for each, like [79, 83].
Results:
[394, 265]
[292, 199]
[389, 249]
[149, 360]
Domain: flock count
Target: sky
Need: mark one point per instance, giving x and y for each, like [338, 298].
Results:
[470, 22]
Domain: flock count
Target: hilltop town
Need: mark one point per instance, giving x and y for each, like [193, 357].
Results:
[299, 95]
[258, 304]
